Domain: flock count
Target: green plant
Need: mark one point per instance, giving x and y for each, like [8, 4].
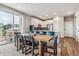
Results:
[4, 28]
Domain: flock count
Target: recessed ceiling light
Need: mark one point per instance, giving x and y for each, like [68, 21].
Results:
[57, 18]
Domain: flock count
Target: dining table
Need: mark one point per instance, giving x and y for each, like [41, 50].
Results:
[42, 39]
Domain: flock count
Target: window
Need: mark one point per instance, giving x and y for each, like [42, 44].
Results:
[16, 23]
[9, 23]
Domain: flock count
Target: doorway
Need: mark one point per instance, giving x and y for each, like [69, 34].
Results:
[69, 26]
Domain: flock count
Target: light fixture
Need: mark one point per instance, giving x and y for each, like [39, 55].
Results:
[56, 18]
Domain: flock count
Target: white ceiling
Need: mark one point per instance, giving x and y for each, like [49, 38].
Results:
[45, 9]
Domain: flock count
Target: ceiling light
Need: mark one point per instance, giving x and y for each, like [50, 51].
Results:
[57, 18]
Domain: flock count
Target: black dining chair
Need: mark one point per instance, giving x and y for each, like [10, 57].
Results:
[31, 31]
[50, 33]
[21, 42]
[52, 45]
[30, 45]
[37, 32]
[16, 39]
[16, 36]
[43, 33]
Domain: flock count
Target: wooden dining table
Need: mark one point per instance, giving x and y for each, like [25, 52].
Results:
[42, 39]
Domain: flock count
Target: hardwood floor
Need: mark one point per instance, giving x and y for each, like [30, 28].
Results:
[69, 47]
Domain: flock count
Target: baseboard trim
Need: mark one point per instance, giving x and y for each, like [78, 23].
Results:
[6, 43]
[61, 37]
[69, 37]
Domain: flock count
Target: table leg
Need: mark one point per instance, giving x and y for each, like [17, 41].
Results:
[45, 49]
[17, 44]
[15, 40]
[41, 49]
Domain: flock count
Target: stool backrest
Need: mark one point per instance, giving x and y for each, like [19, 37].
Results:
[28, 38]
[21, 38]
[55, 41]
[37, 32]
[50, 33]
[43, 33]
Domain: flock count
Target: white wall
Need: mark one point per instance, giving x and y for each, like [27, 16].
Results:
[58, 24]
[25, 23]
[77, 25]
[69, 26]
[62, 27]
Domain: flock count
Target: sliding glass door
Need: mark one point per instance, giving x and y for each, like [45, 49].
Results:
[6, 23]
[9, 23]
